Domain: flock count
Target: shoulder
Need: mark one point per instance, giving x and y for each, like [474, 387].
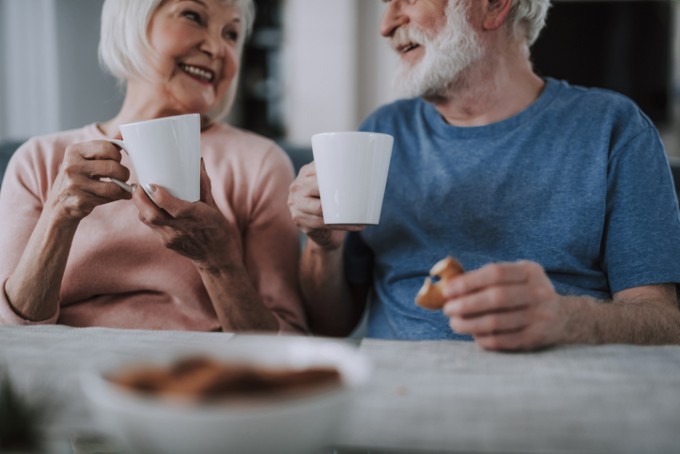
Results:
[62, 139]
[598, 106]
[48, 149]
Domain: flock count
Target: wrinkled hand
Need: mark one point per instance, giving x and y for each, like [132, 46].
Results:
[304, 202]
[506, 306]
[198, 230]
[78, 188]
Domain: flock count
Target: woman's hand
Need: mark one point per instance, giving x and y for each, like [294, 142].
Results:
[78, 188]
[195, 230]
[304, 202]
[200, 232]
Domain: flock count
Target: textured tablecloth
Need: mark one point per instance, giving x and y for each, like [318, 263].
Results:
[44, 362]
[426, 396]
[455, 397]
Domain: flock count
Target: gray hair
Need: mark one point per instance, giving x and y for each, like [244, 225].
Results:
[124, 45]
[528, 16]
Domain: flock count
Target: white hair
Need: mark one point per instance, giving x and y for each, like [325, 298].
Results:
[449, 52]
[124, 45]
[528, 16]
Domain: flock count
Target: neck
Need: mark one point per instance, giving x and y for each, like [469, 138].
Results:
[494, 88]
[139, 105]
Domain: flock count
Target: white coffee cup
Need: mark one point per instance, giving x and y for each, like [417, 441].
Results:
[165, 152]
[351, 169]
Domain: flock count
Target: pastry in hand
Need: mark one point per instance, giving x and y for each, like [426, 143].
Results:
[430, 294]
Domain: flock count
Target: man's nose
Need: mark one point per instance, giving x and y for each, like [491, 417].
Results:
[393, 18]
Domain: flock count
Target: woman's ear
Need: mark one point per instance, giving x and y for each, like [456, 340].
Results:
[495, 13]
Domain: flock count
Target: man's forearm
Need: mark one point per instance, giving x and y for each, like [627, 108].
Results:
[649, 318]
[333, 308]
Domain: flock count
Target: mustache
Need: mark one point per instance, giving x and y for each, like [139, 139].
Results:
[411, 35]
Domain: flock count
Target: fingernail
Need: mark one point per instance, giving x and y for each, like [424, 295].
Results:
[150, 189]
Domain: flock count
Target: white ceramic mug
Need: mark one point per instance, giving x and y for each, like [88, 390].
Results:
[165, 152]
[351, 168]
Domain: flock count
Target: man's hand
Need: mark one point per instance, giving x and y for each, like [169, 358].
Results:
[304, 202]
[506, 306]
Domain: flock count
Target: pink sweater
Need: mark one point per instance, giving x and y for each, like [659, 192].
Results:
[120, 275]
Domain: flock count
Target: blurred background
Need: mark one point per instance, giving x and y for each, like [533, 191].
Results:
[319, 65]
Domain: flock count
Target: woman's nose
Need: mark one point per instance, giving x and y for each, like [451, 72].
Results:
[213, 45]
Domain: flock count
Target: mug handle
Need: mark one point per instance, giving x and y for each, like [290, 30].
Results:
[122, 184]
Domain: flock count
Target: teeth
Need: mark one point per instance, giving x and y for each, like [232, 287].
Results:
[198, 72]
[407, 47]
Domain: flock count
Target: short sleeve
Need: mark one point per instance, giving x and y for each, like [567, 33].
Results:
[641, 244]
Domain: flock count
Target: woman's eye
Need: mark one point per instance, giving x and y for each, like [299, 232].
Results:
[232, 36]
[193, 16]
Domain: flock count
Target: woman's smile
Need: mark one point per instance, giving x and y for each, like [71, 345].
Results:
[199, 73]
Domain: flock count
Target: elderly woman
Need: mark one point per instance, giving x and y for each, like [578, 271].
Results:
[78, 250]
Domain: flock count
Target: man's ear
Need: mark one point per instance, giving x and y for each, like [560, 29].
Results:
[495, 13]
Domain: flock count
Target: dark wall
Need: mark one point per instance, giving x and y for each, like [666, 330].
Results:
[621, 45]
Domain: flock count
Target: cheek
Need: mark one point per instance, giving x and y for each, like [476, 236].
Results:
[231, 68]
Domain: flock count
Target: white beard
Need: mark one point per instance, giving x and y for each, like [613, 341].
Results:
[448, 53]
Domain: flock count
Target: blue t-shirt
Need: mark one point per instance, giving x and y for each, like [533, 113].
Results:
[578, 182]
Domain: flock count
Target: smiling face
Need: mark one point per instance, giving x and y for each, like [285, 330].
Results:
[195, 53]
[435, 43]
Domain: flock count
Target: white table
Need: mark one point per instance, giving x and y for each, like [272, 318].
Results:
[426, 397]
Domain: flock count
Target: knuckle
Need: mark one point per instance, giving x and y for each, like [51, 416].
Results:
[495, 297]
[69, 169]
[150, 218]
[492, 323]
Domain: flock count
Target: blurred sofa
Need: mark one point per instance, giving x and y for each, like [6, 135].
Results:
[7, 148]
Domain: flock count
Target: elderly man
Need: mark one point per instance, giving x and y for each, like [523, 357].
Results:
[557, 199]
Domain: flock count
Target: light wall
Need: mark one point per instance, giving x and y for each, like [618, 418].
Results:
[51, 80]
[337, 67]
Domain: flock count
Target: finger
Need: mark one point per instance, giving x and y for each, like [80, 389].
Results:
[102, 191]
[96, 169]
[96, 149]
[106, 168]
[494, 274]
[304, 187]
[491, 323]
[491, 299]
[308, 170]
[308, 222]
[149, 213]
[510, 341]
[173, 206]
